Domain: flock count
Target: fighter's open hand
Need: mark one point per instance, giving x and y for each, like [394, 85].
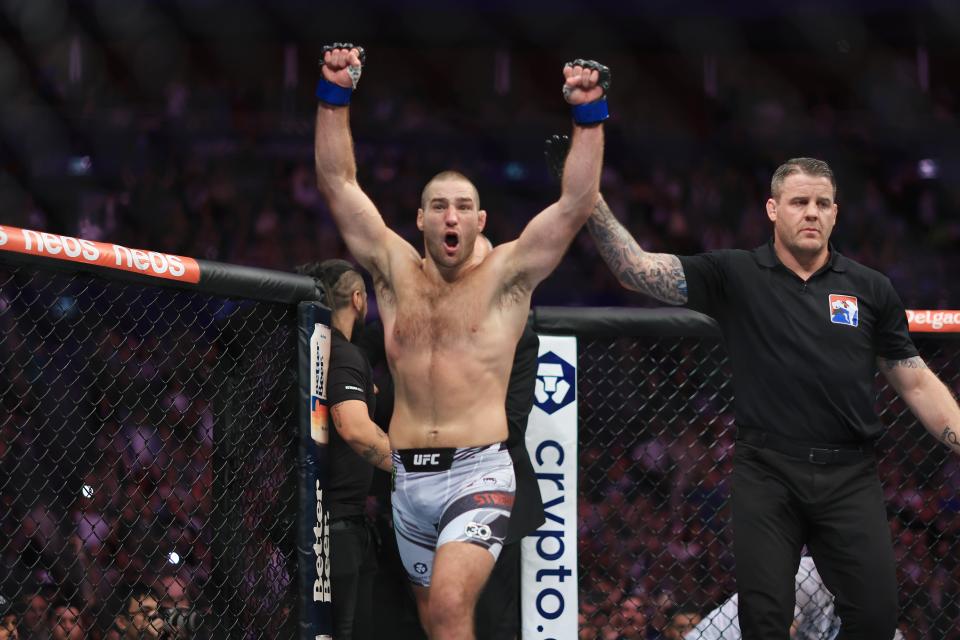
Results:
[585, 81]
[342, 64]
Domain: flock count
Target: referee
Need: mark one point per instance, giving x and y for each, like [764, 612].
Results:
[805, 329]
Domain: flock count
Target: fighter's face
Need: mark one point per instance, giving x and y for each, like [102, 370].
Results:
[804, 214]
[450, 221]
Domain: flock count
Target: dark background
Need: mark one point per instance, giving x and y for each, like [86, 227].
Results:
[187, 126]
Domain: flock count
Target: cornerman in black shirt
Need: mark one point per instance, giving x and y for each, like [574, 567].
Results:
[805, 329]
[357, 445]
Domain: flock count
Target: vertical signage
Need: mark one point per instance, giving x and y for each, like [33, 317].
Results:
[548, 582]
[313, 543]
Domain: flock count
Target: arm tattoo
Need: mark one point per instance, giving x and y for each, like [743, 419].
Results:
[949, 436]
[374, 454]
[915, 362]
[658, 275]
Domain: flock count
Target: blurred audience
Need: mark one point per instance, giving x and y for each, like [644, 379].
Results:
[203, 168]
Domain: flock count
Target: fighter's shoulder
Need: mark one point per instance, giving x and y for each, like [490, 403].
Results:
[505, 274]
[503, 257]
[403, 263]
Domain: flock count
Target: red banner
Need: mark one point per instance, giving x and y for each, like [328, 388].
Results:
[934, 320]
[113, 256]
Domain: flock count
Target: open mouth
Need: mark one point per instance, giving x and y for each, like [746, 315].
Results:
[451, 241]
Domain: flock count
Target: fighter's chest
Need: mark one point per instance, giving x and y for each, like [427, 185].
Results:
[439, 316]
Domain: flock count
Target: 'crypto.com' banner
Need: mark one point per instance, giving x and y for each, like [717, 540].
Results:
[548, 582]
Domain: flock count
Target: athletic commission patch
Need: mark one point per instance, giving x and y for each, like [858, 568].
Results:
[844, 310]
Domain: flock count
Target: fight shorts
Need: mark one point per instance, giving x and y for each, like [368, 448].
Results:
[450, 495]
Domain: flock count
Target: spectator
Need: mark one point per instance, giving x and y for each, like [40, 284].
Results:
[66, 622]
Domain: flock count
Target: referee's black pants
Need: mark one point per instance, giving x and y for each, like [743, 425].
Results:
[781, 503]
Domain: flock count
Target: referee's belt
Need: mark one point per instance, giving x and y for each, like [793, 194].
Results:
[814, 453]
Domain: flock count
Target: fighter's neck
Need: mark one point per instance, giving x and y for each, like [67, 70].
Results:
[447, 275]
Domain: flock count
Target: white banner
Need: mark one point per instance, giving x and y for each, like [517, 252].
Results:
[548, 582]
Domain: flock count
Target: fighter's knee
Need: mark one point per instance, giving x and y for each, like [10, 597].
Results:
[448, 608]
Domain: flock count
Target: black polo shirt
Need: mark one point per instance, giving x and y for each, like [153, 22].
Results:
[803, 353]
[350, 475]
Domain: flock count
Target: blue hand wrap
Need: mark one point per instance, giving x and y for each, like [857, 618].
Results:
[334, 94]
[591, 112]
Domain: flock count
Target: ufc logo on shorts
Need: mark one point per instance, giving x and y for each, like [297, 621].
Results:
[426, 459]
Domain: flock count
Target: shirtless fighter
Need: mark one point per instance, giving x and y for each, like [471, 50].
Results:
[451, 325]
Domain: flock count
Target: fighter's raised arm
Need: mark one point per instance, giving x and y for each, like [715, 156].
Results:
[368, 238]
[659, 275]
[546, 237]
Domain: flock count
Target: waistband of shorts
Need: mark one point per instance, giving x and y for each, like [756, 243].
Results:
[440, 459]
[815, 453]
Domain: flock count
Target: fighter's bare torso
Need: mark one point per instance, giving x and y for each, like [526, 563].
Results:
[450, 346]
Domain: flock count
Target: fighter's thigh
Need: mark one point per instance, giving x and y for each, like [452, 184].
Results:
[460, 569]
[416, 542]
[498, 608]
[422, 597]
[479, 512]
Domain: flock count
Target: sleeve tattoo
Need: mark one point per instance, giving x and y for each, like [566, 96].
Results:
[658, 275]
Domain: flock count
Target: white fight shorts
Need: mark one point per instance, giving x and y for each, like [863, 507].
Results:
[450, 495]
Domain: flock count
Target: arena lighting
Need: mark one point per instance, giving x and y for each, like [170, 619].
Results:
[928, 169]
[87, 491]
[173, 557]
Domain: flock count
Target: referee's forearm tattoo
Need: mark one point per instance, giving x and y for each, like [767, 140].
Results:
[657, 275]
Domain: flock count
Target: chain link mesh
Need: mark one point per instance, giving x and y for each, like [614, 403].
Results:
[148, 441]
[656, 444]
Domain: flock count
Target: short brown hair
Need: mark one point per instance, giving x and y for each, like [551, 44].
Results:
[448, 175]
[807, 166]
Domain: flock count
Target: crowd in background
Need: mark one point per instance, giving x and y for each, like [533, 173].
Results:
[113, 476]
[208, 168]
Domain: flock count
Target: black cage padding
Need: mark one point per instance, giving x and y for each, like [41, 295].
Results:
[623, 322]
